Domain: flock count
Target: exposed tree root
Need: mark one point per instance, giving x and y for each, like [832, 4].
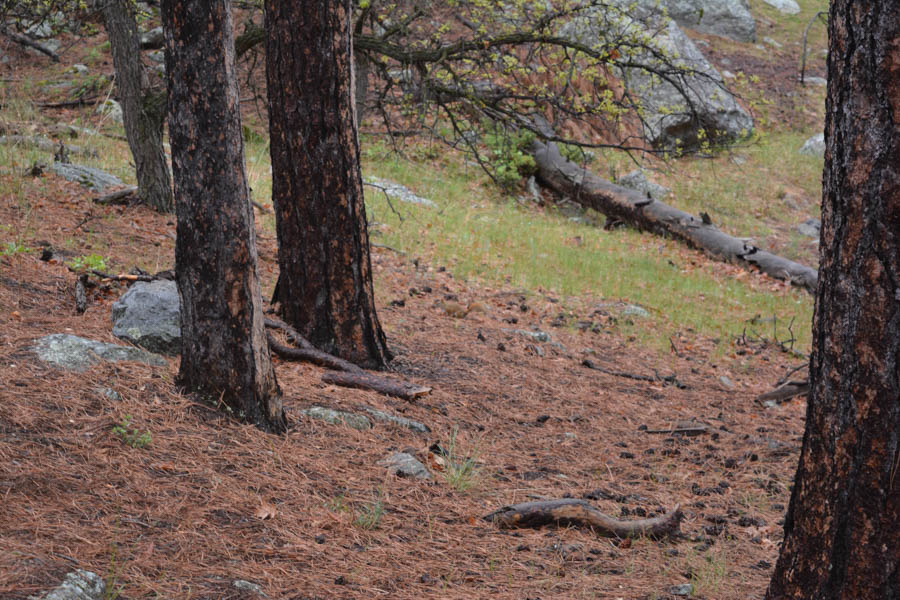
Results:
[570, 511]
[343, 373]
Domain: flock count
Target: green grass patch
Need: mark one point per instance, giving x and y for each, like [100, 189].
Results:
[483, 236]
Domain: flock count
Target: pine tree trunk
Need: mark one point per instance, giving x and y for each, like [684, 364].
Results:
[842, 532]
[143, 107]
[225, 356]
[325, 285]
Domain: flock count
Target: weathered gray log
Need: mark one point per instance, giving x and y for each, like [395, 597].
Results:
[637, 210]
[122, 196]
[81, 293]
[47, 145]
[382, 385]
[570, 511]
[24, 40]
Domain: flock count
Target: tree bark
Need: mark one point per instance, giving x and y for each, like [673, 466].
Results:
[325, 282]
[143, 106]
[843, 523]
[225, 356]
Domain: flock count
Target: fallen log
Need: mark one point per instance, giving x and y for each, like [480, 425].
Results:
[24, 40]
[382, 385]
[47, 145]
[119, 197]
[570, 511]
[785, 392]
[81, 294]
[644, 213]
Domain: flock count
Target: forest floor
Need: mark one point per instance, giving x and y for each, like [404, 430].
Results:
[312, 514]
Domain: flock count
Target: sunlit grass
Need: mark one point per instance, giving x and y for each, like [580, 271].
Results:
[482, 236]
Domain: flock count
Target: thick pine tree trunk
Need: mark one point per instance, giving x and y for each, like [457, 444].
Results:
[143, 107]
[325, 285]
[842, 532]
[224, 356]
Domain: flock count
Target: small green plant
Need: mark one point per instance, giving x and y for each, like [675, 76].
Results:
[369, 516]
[510, 158]
[134, 437]
[13, 248]
[461, 472]
[93, 262]
[338, 504]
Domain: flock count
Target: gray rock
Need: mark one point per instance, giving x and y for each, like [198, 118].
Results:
[537, 336]
[149, 315]
[815, 81]
[669, 123]
[43, 29]
[810, 228]
[788, 7]
[772, 42]
[53, 44]
[685, 589]
[111, 109]
[79, 585]
[637, 180]
[338, 417]
[87, 176]
[633, 310]
[814, 146]
[727, 382]
[153, 39]
[248, 586]
[726, 18]
[78, 69]
[400, 192]
[405, 465]
[400, 421]
[109, 394]
[79, 354]
[157, 56]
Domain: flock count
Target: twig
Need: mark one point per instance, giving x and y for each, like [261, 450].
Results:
[387, 197]
[805, 37]
[787, 375]
[386, 247]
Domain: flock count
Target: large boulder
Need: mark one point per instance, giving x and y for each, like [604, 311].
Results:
[149, 315]
[680, 109]
[89, 177]
[788, 7]
[814, 146]
[79, 354]
[725, 18]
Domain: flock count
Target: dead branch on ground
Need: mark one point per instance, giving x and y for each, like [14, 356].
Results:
[343, 372]
[570, 511]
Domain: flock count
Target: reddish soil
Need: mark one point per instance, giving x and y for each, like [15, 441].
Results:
[210, 500]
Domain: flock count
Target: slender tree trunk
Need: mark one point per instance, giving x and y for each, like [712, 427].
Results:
[325, 285]
[225, 355]
[143, 106]
[842, 532]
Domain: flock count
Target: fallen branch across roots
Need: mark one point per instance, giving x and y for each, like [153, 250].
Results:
[570, 511]
[342, 373]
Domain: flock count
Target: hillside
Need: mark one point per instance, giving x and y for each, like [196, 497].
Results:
[201, 500]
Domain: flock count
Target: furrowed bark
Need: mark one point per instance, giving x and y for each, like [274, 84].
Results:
[843, 523]
[143, 108]
[225, 357]
[325, 281]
